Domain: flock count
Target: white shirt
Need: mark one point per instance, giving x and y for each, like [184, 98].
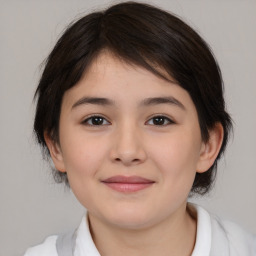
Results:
[214, 238]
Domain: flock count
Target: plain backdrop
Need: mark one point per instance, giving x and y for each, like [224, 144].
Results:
[32, 206]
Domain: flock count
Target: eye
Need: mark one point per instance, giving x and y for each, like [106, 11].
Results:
[160, 121]
[95, 121]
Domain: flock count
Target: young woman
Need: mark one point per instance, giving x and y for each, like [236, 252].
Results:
[130, 108]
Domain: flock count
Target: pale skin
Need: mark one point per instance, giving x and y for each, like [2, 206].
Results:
[112, 124]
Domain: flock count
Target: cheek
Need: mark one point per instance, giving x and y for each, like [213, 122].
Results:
[83, 159]
[82, 155]
[177, 155]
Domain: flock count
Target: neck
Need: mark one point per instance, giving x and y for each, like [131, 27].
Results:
[173, 236]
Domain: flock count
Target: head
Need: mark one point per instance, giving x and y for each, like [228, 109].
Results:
[145, 37]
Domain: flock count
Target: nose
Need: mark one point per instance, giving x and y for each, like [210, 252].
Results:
[127, 146]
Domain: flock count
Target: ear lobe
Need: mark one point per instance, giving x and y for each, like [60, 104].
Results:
[211, 148]
[55, 152]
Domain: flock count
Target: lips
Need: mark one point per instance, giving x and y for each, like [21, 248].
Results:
[127, 184]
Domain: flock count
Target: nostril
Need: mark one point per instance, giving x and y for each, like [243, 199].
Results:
[136, 160]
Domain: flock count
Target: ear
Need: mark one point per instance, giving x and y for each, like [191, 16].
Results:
[210, 149]
[55, 152]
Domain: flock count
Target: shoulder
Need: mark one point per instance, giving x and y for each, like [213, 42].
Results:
[218, 237]
[47, 248]
[239, 240]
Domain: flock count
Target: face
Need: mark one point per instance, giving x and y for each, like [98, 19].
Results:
[130, 143]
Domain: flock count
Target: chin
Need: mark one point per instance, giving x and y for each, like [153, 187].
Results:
[129, 219]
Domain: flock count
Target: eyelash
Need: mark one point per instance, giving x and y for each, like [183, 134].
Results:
[162, 117]
[85, 122]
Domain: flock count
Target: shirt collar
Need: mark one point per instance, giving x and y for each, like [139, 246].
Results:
[203, 236]
[204, 232]
[83, 234]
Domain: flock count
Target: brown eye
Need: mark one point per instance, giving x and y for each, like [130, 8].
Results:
[160, 121]
[96, 121]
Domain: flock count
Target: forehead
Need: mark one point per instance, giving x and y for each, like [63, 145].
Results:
[111, 77]
[107, 59]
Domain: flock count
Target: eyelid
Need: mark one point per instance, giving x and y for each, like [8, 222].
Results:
[86, 119]
[170, 120]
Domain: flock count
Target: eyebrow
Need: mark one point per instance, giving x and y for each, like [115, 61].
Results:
[146, 102]
[162, 100]
[94, 101]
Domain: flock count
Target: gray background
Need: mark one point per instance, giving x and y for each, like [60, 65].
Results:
[32, 206]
